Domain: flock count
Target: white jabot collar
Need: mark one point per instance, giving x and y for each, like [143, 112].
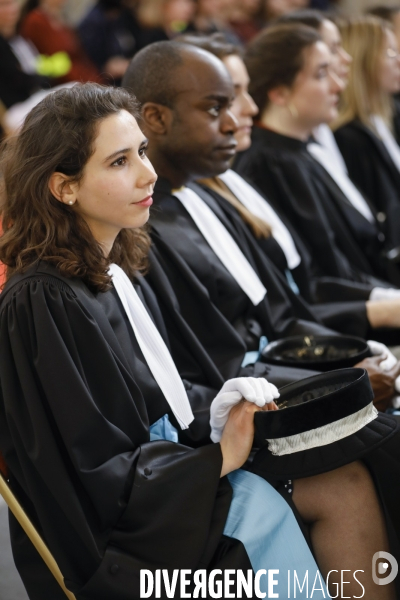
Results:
[324, 136]
[327, 154]
[222, 243]
[257, 205]
[154, 350]
[388, 140]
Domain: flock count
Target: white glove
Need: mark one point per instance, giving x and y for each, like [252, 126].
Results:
[257, 390]
[378, 294]
[378, 349]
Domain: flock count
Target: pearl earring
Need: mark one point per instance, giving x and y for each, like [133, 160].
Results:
[71, 202]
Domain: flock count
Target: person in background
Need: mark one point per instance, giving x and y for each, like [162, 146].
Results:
[161, 20]
[276, 8]
[277, 239]
[19, 77]
[245, 18]
[364, 127]
[326, 150]
[390, 13]
[43, 25]
[213, 16]
[295, 92]
[107, 40]
[204, 285]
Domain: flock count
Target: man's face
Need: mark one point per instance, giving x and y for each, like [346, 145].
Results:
[200, 141]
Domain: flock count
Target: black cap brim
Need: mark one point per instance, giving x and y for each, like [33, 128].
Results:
[325, 458]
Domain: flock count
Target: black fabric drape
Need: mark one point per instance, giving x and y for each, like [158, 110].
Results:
[75, 400]
[373, 171]
[341, 242]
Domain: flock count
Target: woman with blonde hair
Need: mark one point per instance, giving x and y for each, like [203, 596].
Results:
[363, 129]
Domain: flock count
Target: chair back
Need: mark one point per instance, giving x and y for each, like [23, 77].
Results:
[29, 528]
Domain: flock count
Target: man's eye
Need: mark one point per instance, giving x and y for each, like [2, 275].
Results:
[214, 111]
[119, 162]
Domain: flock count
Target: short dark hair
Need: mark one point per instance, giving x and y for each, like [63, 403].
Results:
[148, 76]
[384, 12]
[216, 43]
[58, 135]
[310, 17]
[275, 57]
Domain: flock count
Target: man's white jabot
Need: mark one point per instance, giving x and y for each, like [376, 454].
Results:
[154, 349]
[257, 205]
[223, 244]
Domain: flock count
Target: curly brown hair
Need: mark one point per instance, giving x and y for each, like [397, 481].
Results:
[59, 135]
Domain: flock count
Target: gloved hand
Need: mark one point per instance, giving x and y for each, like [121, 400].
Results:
[379, 294]
[257, 390]
[378, 349]
[386, 383]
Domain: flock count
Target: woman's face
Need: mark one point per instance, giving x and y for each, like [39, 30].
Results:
[243, 106]
[9, 15]
[389, 65]
[117, 185]
[276, 8]
[314, 96]
[178, 11]
[52, 5]
[340, 59]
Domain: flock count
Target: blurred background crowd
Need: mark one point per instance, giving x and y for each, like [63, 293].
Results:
[45, 43]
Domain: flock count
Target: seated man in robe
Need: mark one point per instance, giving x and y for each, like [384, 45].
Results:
[191, 134]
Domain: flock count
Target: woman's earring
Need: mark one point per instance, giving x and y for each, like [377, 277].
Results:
[70, 202]
[293, 110]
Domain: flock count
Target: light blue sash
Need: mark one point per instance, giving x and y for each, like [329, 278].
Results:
[261, 519]
[252, 357]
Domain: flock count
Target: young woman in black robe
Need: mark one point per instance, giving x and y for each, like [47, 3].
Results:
[342, 242]
[80, 392]
[364, 130]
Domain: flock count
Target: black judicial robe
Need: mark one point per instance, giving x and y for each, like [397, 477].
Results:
[346, 317]
[313, 287]
[371, 168]
[341, 241]
[199, 279]
[76, 401]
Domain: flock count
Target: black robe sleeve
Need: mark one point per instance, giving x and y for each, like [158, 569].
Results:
[74, 433]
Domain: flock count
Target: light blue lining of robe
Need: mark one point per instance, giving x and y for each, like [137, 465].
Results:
[261, 519]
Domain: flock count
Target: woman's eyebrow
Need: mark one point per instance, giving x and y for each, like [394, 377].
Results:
[123, 150]
[324, 65]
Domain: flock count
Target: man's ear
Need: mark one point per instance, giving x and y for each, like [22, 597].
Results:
[156, 117]
[63, 189]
